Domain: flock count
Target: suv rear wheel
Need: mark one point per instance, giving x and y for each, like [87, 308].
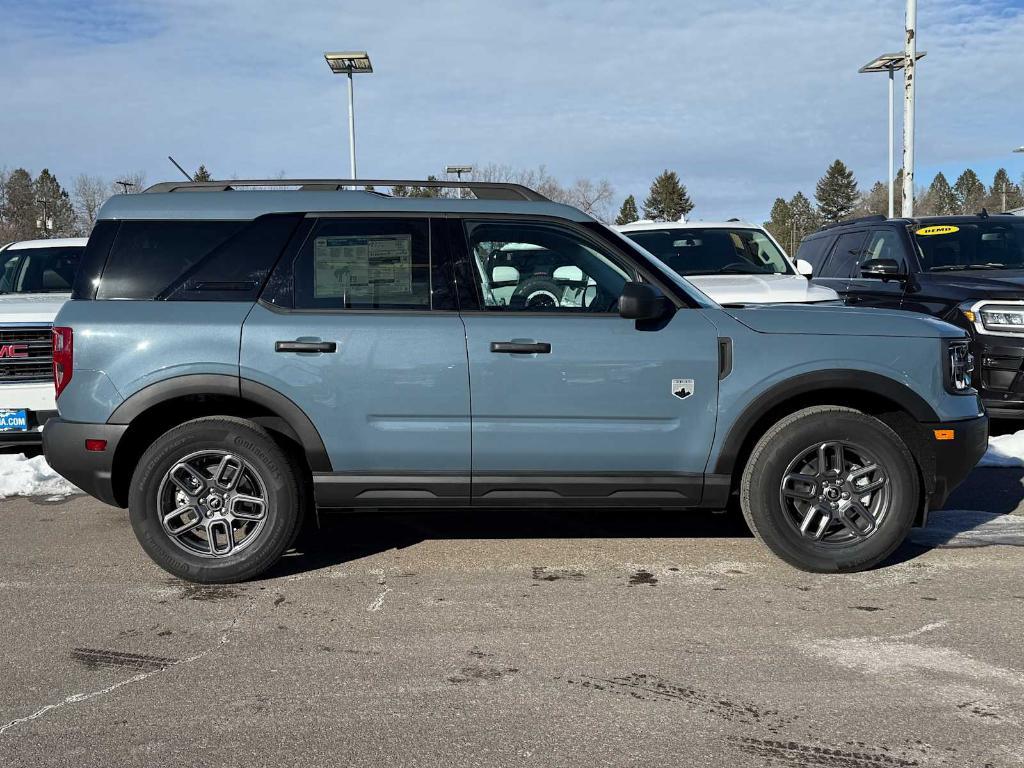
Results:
[830, 489]
[215, 500]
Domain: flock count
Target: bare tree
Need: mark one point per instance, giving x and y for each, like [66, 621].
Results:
[90, 192]
[592, 197]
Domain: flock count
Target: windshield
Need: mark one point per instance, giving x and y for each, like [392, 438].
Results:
[39, 270]
[713, 251]
[977, 245]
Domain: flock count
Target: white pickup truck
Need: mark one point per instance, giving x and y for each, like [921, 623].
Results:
[35, 280]
[732, 262]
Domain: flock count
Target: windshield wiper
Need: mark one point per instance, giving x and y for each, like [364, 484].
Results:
[962, 267]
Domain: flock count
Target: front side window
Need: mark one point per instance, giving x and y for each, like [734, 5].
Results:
[39, 270]
[542, 268]
[364, 264]
[713, 251]
[982, 245]
[814, 250]
[883, 244]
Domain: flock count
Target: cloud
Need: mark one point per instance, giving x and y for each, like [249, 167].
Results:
[746, 101]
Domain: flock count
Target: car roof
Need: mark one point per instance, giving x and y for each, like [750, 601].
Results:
[881, 221]
[54, 242]
[640, 226]
[249, 204]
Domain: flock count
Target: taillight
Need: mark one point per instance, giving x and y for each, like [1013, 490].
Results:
[63, 357]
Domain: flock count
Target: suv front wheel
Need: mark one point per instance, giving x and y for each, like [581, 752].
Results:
[215, 500]
[830, 489]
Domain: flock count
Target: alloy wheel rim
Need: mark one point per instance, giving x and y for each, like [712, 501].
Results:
[212, 504]
[835, 493]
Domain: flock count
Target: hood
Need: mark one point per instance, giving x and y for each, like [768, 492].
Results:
[840, 320]
[30, 307]
[1001, 284]
[762, 289]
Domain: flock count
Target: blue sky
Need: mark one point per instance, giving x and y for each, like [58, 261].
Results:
[747, 100]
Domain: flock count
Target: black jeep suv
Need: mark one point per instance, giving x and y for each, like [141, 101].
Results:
[967, 270]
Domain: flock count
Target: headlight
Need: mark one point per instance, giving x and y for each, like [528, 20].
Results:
[996, 318]
[960, 366]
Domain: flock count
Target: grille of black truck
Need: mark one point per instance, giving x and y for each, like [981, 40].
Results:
[26, 354]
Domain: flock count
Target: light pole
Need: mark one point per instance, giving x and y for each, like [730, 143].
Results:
[909, 104]
[891, 63]
[458, 170]
[350, 63]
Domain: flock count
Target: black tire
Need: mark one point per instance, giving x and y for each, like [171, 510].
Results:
[265, 462]
[775, 523]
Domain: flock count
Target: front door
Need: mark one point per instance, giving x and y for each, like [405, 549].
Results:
[570, 402]
[883, 243]
[358, 328]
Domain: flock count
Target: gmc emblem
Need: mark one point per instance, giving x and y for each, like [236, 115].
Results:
[13, 350]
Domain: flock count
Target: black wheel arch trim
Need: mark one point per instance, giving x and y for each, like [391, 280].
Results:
[242, 389]
[818, 381]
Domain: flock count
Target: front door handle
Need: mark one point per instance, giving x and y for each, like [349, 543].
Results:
[305, 346]
[521, 348]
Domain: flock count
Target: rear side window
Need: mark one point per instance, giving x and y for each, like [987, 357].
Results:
[194, 260]
[813, 251]
[845, 256]
[365, 264]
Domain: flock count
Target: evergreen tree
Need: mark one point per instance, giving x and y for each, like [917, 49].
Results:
[836, 192]
[805, 219]
[939, 200]
[875, 202]
[18, 213]
[202, 174]
[399, 190]
[970, 192]
[418, 191]
[55, 215]
[627, 213]
[668, 199]
[780, 226]
[1003, 189]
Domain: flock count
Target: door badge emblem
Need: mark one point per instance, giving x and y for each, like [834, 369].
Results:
[682, 388]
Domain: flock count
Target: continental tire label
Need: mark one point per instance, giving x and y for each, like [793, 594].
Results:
[938, 229]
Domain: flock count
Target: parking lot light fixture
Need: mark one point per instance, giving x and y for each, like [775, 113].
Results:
[890, 63]
[350, 63]
[1019, 149]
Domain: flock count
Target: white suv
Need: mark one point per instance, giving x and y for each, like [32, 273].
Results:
[732, 262]
[35, 280]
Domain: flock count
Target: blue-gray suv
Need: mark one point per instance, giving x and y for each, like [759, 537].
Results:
[234, 358]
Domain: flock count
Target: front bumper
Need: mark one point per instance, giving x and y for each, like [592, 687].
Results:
[949, 460]
[64, 447]
[33, 436]
[1000, 374]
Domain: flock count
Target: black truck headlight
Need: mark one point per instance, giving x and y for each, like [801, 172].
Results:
[959, 366]
[1005, 319]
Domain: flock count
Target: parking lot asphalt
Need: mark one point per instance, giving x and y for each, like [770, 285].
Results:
[494, 639]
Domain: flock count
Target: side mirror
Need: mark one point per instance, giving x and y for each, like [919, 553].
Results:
[884, 269]
[640, 301]
[803, 267]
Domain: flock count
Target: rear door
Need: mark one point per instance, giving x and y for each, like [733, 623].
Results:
[358, 327]
[572, 403]
[841, 261]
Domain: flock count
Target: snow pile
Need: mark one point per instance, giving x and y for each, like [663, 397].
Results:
[20, 476]
[1004, 451]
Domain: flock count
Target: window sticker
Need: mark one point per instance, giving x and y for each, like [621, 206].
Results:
[363, 267]
[938, 229]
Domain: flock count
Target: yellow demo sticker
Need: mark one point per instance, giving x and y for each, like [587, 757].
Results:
[941, 229]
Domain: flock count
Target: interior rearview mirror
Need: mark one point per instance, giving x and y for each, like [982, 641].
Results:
[640, 301]
[803, 267]
[881, 268]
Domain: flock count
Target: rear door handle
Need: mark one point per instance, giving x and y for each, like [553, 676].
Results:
[521, 348]
[305, 346]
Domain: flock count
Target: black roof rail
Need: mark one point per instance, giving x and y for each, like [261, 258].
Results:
[484, 190]
[857, 220]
